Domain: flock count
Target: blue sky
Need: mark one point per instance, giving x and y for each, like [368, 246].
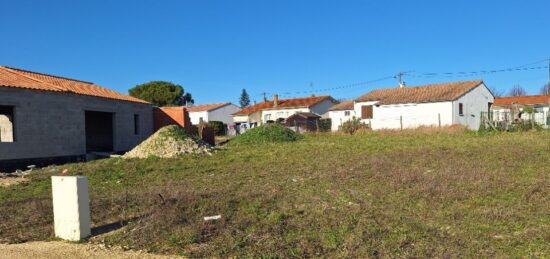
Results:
[216, 48]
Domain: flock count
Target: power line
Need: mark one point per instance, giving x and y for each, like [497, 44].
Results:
[483, 72]
[400, 76]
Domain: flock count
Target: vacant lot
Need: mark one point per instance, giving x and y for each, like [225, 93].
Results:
[372, 194]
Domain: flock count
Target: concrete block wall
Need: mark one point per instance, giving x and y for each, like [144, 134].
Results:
[49, 124]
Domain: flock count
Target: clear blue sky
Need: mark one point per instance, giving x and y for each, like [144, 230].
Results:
[216, 48]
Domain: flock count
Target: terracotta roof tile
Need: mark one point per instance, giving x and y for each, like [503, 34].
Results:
[18, 78]
[345, 105]
[283, 104]
[421, 94]
[206, 107]
[525, 100]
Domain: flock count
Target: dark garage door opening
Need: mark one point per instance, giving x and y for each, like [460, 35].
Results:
[99, 131]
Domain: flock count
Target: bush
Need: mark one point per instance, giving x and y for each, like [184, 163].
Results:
[353, 125]
[325, 125]
[218, 127]
[268, 133]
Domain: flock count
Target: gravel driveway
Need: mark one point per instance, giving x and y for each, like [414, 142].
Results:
[59, 249]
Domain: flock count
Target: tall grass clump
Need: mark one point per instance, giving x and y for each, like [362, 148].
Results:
[269, 133]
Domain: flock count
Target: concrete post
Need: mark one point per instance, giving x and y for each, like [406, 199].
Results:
[71, 207]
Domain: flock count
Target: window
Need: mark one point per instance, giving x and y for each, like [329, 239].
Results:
[136, 124]
[279, 115]
[366, 112]
[460, 109]
[346, 113]
[6, 124]
[267, 117]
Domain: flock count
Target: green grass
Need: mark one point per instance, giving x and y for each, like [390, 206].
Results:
[269, 133]
[369, 194]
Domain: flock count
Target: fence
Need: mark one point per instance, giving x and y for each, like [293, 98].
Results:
[505, 120]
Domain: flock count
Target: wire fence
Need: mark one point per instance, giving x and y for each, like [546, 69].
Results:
[507, 119]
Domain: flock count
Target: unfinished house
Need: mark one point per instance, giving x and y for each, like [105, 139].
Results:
[47, 119]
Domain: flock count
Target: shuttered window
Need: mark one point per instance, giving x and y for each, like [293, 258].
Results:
[366, 112]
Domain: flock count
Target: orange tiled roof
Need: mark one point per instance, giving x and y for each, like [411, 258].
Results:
[284, 104]
[345, 105]
[421, 94]
[205, 107]
[18, 78]
[525, 100]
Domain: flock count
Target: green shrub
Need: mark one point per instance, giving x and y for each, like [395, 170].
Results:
[325, 125]
[218, 127]
[268, 133]
[353, 125]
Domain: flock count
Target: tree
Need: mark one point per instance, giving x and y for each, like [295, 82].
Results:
[517, 90]
[162, 93]
[545, 89]
[496, 92]
[245, 99]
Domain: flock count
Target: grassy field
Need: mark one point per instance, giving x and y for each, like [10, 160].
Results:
[385, 194]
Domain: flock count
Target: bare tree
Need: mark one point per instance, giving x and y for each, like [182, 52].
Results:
[545, 89]
[496, 92]
[517, 90]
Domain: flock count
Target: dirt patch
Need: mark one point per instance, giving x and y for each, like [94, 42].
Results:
[59, 249]
[9, 181]
[169, 142]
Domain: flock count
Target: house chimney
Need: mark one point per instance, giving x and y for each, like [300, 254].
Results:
[275, 100]
[401, 84]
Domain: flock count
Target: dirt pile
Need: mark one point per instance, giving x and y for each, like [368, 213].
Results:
[168, 142]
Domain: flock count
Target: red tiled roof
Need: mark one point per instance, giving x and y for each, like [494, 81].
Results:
[283, 104]
[18, 78]
[345, 105]
[421, 94]
[526, 100]
[205, 107]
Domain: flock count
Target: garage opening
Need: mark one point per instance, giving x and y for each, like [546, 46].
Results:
[99, 131]
[6, 124]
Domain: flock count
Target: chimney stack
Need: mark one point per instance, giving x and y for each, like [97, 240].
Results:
[401, 84]
[275, 100]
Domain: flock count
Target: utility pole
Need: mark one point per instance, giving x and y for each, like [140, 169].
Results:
[548, 87]
[399, 78]
[312, 89]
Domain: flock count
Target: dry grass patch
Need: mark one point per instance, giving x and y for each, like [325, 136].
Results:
[389, 194]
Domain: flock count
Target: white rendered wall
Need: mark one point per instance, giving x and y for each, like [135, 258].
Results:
[410, 115]
[196, 116]
[223, 114]
[71, 207]
[281, 113]
[339, 117]
[474, 103]
[322, 107]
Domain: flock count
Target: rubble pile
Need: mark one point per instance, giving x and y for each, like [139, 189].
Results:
[168, 142]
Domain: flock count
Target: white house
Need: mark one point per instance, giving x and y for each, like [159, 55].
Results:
[341, 113]
[212, 112]
[280, 109]
[503, 107]
[439, 104]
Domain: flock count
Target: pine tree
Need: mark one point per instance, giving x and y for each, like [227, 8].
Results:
[245, 99]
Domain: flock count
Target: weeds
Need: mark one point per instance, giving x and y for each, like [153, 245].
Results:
[269, 133]
[446, 193]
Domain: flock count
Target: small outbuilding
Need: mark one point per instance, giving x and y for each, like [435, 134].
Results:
[512, 108]
[303, 122]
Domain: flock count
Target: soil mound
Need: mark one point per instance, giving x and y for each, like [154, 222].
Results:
[168, 142]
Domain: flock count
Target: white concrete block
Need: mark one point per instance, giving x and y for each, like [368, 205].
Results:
[71, 207]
